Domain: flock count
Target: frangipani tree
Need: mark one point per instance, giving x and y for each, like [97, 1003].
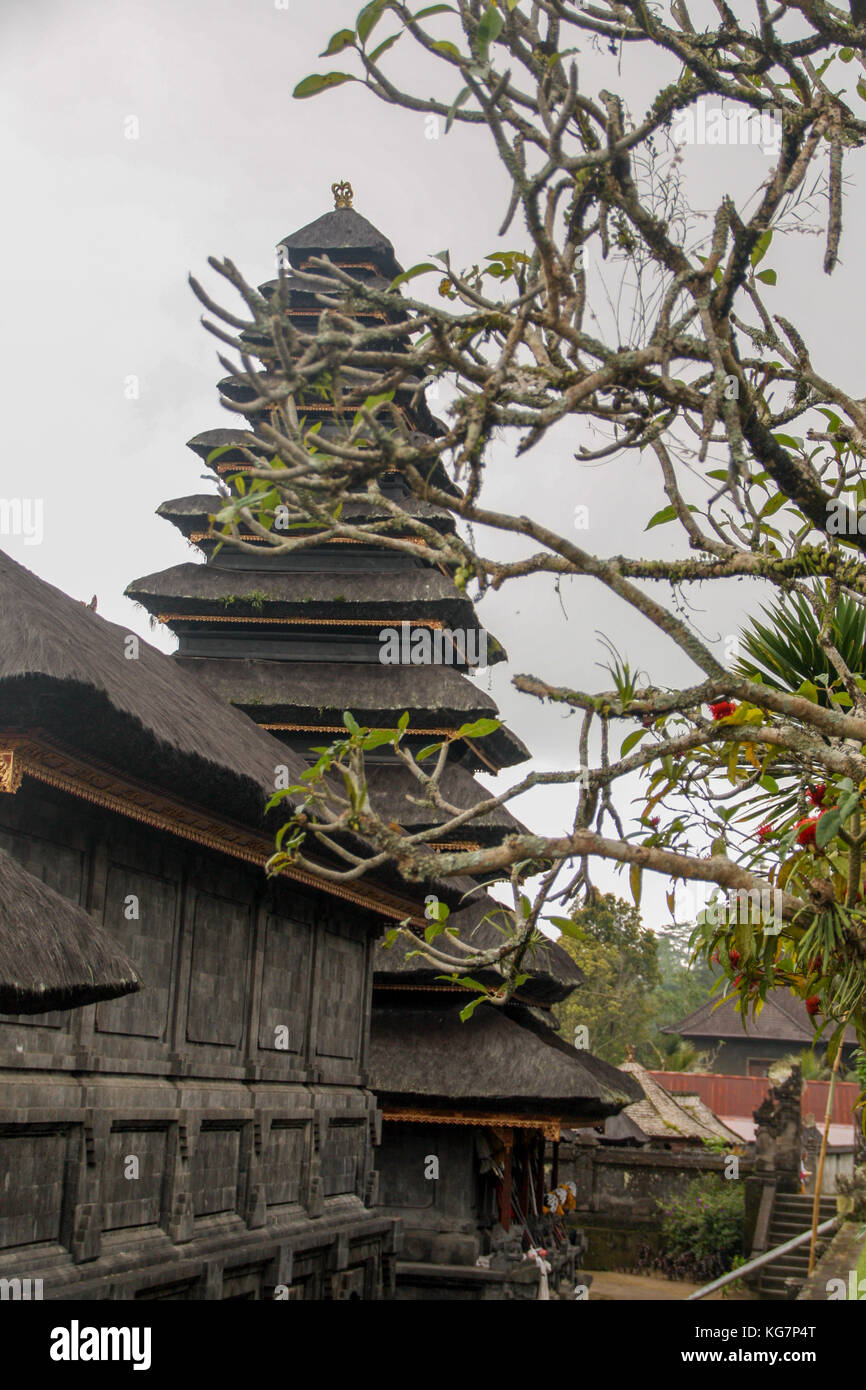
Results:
[711, 381]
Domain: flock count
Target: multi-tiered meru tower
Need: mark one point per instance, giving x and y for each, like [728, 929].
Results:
[294, 639]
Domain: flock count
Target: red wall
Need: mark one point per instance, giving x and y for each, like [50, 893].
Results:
[741, 1095]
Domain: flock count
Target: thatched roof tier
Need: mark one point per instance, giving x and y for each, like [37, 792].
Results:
[553, 973]
[191, 515]
[338, 232]
[424, 1055]
[421, 594]
[391, 786]
[782, 1019]
[234, 441]
[53, 954]
[111, 696]
[314, 695]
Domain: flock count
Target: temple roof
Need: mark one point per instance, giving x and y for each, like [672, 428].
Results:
[316, 694]
[553, 973]
[782, 1019]
[662, 1116]
[343, 229]
[53, 954]
[390, 786]
[191, 514]
[63, 667]
[426, 1055]
[387, 597]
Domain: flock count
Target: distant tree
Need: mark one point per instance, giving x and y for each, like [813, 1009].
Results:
[618, 955]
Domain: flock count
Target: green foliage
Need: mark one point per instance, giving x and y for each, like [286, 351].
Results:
[785, 652]
[707, 1220]
[618, 955]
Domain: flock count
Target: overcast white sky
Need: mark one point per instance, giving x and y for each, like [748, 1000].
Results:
[100, 232]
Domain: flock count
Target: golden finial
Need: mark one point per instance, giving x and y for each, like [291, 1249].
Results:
[343, 194]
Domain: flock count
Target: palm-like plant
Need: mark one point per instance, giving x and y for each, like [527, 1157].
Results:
[785, 652]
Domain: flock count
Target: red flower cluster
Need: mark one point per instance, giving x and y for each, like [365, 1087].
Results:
[806, 831]
[764, 831]
[816, 794]
[813, 1005]
[722, 708]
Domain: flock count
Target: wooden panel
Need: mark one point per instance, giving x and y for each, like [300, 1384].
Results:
[341, 992]
[219, 973]
[285, 985]
[215, 1170]
[32, 1168]
[282, 1163]
[133, 1175]
[62, 868]
[341, 1158]
[149, 943]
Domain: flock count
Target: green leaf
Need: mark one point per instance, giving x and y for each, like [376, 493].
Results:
[568, 928]
[461, 97]
[849, 806]
[449, 49]
[635, 875]
[629, 742]
[661, 518]
[420, 269]
[368, 18]
[768, 784]
[489, 29]
[403, 721]
[789, 440]
[828, 826]
[467, 1012]
[861, 89]
[427, 751]
[377, 738]
[773, 505]
[344, 38]
[759, 250]
[321, 82]
[846, 54]
[434, 9]
[390, 937]
[384, 46]
[479, 729]
[350, 722]
[767, 276]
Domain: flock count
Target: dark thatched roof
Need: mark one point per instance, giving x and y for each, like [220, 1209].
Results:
[275, 692]
[63, 668]
[190, 514]
[391, 786]
[426, 1055]
[553, 974]
[53, 954]
[389, 597]
[344, 229]
[782, 1019]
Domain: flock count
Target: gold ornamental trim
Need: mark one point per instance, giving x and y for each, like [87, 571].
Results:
[90, 782]
[339, 729]
[343, 194]
[298, 622]
[11, 771]
[550, 1125]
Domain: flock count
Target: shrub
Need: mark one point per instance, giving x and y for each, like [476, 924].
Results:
[702, 1230]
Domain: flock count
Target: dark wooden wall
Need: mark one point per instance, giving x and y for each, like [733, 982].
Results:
[215, 1127]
